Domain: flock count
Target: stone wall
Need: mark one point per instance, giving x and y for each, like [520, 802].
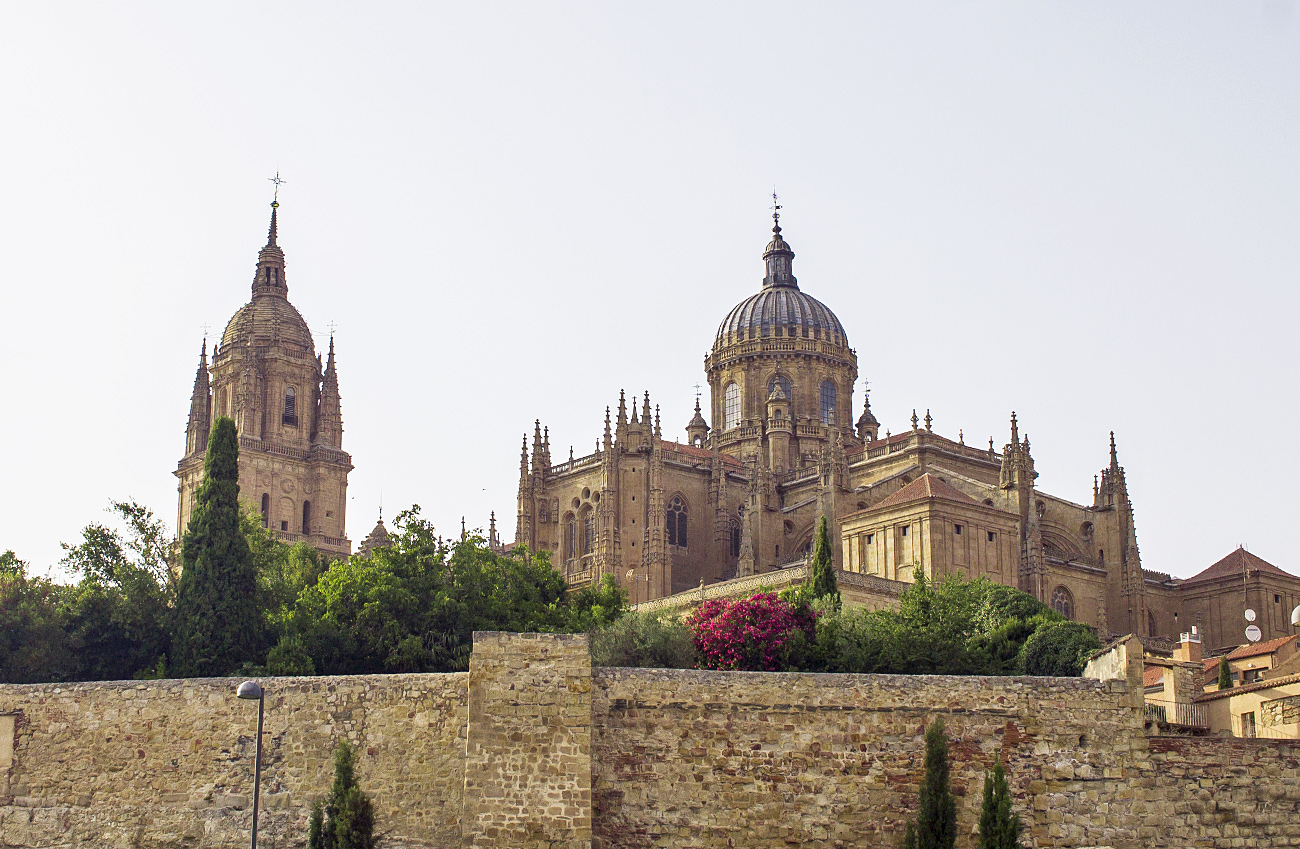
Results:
[170, 763]
[535, 748]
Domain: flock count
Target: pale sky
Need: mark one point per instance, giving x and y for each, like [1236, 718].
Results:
[1087, 213]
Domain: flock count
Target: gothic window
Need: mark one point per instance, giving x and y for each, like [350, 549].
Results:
[785, 386]
[677, 522]
[570, 537]
[735, 539]
[731, 417]
[589, 533]
[1063, 602]
[1151, 623]
[266, 510]
[306, 517]
[828, 403]
[290, 407]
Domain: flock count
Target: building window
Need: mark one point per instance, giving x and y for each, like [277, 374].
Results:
[828, 403]
[731, 406]
[266, 510]
[306, 517]
[589, 533]
[570, 537]
[785, 386]
[956, 529]
[1248, 724]
[905, 528]
[735, 540]
[677, 522]
[1151, 623]
[871, 538]
[284, 525]
[1277, 599]
[290, 407]
[1063, 602]
[992, 536]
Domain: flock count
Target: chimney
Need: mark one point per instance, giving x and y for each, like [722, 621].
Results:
[1189, 647]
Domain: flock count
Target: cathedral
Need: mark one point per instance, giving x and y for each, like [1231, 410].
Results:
[267, 376]
[743, 494]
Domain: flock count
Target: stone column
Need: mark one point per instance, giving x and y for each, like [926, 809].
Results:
[528, 747]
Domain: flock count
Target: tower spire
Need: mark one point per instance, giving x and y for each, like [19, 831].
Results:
[1114, 455]
[778, 258]
[200, 421]
[329, 417]
[269, 278]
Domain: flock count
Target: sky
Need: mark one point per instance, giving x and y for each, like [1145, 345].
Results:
[1086, 213]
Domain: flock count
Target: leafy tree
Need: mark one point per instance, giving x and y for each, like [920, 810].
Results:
[118, 614]
[217, 623]
[1000, 827]
[653, 639]
[935, 826]
[414, 605]
[347, 819]
[34, 645]
[1058, 648]
[821, 566]
[755, 634]
[1225, 674]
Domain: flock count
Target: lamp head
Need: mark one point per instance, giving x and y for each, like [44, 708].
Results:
[249, 690]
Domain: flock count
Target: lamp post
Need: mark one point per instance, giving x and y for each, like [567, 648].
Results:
[253, 690]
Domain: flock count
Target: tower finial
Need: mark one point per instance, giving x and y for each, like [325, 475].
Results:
[1114, 455]
[776, 213]
[278, 182]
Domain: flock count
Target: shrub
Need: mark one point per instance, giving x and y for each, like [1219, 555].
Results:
[654, 639]
[999, 827]
[756, 634]
[347, 819]
[1058, 648]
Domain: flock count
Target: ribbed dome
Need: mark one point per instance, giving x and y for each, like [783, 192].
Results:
[786, 307]
[267, 320]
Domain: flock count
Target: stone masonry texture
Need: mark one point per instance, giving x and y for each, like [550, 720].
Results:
[535, 748]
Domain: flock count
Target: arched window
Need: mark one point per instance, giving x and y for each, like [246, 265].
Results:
[266, 510]
[1063, 602]
[677, 522]
[1151, 624]
[290, 407]
[306, 517]
[731, 417]
[735, 539]
[785, 386]
[589, 533]
[570, 537]
[828, 403]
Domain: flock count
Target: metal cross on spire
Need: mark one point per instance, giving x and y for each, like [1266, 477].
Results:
[278, 182]
[697, 393]
[206, 328]
[332, 326]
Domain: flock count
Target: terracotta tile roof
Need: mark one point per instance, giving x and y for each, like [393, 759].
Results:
[1259, 648]
[926, 486]
[1235, 565]
[1153, 675]
[700, 453]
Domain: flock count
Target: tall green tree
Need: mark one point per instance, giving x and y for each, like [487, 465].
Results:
[347, 818]
[1000, 827]
[1225, 674]
[935, 826]
[118, 615]
[34, 646]
[821, 566]
[217, 624]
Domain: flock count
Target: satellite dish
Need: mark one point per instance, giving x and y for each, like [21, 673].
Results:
[1250, 615]
[1253, 633]
[1295, 616]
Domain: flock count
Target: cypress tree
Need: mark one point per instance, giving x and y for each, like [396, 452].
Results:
[347, 820]
[1225, 674]
[821, 567]
[217, 623]
[999, 826]
[935, 826]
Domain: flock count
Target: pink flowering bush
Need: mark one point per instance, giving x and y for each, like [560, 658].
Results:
[756, 634]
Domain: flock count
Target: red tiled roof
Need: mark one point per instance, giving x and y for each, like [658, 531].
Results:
[926, 486]
[1259, 648]
[1153, 675]
[1235, 565]
[700, 453]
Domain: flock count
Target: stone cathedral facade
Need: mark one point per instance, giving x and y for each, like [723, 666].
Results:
[265, 374]
[743, 493]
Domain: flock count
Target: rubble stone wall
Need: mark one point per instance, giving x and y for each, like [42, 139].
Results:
[535, 748]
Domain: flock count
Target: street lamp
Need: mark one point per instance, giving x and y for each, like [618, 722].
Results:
[253, 690]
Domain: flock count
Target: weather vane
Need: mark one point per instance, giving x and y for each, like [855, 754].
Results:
[205, 330]
[776, 206]
[332, 326]
[697, 393]
[278, 182]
